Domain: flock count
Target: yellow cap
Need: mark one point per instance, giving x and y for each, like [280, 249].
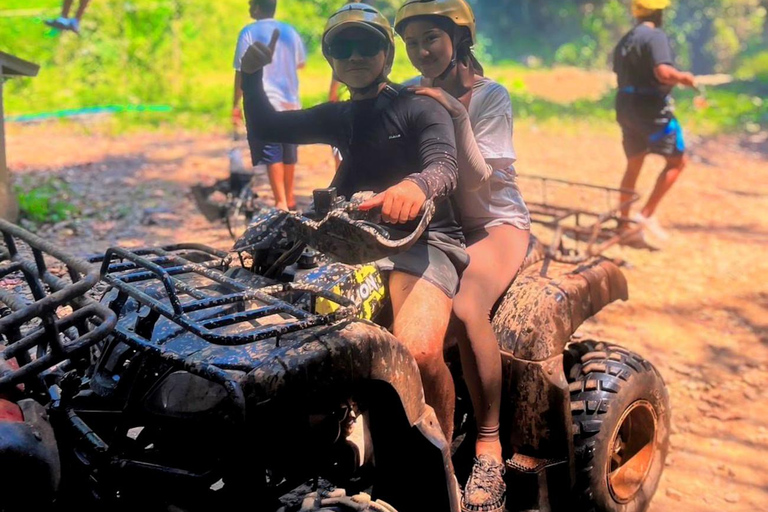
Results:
[643, 8]
[458, 11]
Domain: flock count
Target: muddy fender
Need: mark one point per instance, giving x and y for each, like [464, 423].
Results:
[29, 459]
[413, 464]
[549, 301]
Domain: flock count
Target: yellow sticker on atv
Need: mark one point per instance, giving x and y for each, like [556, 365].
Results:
[324, 306]
[370, 292]
[364, 287]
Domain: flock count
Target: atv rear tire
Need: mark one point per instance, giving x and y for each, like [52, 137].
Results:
[621, 421]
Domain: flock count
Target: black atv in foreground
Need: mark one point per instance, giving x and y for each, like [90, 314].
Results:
[265, 377]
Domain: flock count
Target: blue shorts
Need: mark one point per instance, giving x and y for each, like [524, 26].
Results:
[662, 139]
[648, 125]
[272, 153]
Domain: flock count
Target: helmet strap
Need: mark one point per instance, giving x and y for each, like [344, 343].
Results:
[452, 64]
[460, 85]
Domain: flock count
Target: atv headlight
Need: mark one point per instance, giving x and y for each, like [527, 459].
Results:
[182, 393]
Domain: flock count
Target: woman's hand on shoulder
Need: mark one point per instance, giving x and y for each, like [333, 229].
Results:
[259, 54]
[451, 104]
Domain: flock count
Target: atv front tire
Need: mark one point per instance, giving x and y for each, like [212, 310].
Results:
[621, 422]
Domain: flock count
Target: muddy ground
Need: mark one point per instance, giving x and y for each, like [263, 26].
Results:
[698, 308]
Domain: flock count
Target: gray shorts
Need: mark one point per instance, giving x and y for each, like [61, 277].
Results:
[436, 258]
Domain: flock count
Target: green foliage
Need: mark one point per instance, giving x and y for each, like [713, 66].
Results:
[734, 107]
[46, 202]
[709, 34]
[179, 53]
[163, 52]
[581, 52]
[754, 67]
[738, 106]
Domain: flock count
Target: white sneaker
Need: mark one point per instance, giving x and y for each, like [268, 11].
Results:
[651, 225]
[637, 240]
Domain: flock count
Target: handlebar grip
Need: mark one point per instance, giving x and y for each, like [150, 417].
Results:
[354, 241]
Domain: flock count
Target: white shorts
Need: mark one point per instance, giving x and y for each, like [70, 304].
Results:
[497, 202]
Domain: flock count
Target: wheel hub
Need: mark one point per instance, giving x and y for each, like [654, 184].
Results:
[632, 450]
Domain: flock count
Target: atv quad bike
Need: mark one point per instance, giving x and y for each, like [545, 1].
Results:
[262, 375]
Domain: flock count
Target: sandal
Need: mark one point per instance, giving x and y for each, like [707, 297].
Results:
[485, 490]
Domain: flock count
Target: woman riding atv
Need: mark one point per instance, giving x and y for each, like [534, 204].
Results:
[399, 145]
[439, 35]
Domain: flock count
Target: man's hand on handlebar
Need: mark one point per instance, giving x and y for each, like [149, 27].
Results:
[399, 204]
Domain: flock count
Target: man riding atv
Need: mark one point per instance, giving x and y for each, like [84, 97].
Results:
[644, 64]
[399, 145]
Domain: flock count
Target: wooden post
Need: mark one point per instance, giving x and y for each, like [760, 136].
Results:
[9, 66]
[9, 209]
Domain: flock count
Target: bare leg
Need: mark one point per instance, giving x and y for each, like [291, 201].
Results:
[634, 164]
[421, 314]
[81, 8]
[288, 173]
[495, 258]
[276, 181]
[65, 7]
[666, 179]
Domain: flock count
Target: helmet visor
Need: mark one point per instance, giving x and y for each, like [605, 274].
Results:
[342, 48]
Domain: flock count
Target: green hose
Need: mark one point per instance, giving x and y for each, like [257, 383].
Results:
[88, 111]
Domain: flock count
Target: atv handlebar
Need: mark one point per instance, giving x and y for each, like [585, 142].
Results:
[349, 234]
[335, 227]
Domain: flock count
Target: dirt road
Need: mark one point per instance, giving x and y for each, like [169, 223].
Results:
[698, 308]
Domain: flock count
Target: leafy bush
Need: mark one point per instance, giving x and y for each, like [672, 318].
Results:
[577, 53]
[754, 67]
[46, 203]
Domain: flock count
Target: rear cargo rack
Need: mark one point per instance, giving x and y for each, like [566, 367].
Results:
[47, 317]
[589, 215]
[137, 268]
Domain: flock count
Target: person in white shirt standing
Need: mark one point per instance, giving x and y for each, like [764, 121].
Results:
[281, 83]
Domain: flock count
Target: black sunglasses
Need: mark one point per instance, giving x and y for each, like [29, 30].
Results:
[344, 48]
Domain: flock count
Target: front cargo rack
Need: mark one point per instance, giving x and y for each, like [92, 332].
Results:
[46, 317]
[131, 271]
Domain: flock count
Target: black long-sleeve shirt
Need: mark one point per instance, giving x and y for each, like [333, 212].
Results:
[383, 140]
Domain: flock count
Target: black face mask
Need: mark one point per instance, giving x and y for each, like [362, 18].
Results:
[342, 49]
